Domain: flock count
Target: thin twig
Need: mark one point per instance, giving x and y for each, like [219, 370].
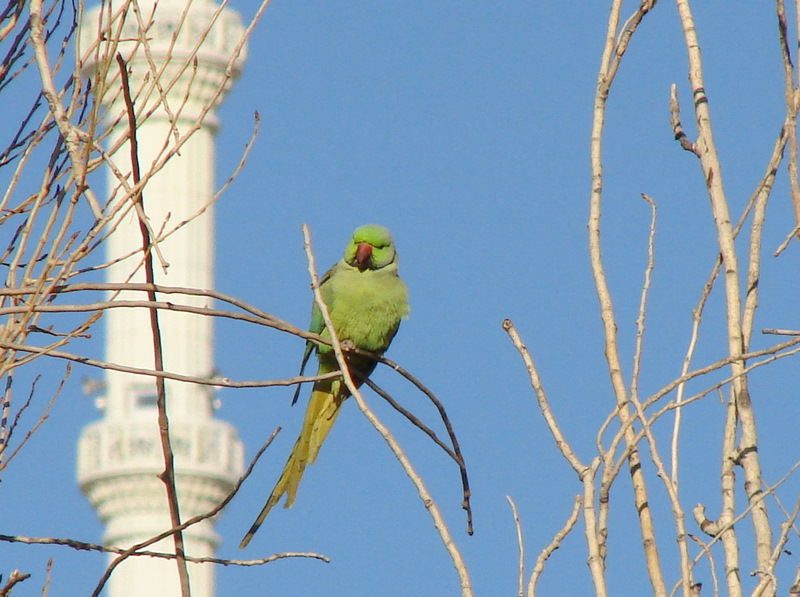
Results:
[790, 92]
[670, 487]
[711, 566]
[85, 546]
[747, 447]
[137, 549]
[782, 247]
[640, 319]
[548, 550]
[586, 474]
[520, 547]
[72, 135]
[42, 419]
[609, 64]
[220, 382]
[168, 475]
[458, 456]
[541, 397]
[13, 578]
[47, 570]
[408, 415]
[675, 121]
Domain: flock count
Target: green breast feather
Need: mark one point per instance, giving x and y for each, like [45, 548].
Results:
[366, 306]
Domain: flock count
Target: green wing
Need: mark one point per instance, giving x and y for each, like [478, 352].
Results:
[317, 325]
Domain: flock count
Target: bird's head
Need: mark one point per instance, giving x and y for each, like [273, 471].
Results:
[371, 247]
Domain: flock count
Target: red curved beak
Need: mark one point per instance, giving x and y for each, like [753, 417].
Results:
[363, 253]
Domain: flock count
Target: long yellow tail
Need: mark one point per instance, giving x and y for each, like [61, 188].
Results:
[323, 406]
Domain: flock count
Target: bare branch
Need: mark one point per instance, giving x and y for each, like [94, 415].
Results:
[548, 550]
[520, 547]
[206, 381]
[14, 578]
[741, 409]
[84, 546]
[605, 77]
[168, 475]
[675, 121]
[586, 474]
[176, 530]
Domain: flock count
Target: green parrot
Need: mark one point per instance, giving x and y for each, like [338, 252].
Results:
[366, 300]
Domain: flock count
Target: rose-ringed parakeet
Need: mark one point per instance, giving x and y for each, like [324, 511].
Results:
[366, 300]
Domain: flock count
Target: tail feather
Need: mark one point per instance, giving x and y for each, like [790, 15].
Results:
[323, 406]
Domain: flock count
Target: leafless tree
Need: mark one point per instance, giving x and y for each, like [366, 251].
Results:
[58, 223]
[627, 440]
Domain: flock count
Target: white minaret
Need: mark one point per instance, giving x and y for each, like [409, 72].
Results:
[120, 455]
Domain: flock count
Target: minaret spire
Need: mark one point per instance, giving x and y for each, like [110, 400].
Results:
[120, 455]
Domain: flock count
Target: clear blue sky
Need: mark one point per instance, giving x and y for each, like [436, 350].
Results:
[464, 128]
